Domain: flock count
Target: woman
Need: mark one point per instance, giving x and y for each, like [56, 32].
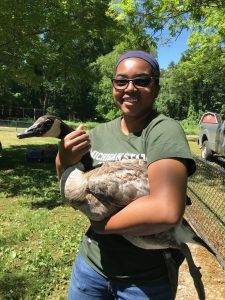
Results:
[108, 266]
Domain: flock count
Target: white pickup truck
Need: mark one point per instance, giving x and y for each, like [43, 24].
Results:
[212, 135]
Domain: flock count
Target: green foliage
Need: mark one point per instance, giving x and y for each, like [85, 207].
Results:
[46, 50]
[191, 127]
[102, 89]
[222, 112]
[59, 55]
[87, 125]
[174, 15]
[195, 84]
[51, 110]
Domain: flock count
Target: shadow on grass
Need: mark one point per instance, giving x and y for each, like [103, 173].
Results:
[220, 163]
[34, 182]
[12, 286]
[16, 285]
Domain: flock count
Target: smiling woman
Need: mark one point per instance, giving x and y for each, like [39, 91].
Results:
[135, 90]
[116, 268]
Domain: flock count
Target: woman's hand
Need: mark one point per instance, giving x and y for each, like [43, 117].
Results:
[72, 148]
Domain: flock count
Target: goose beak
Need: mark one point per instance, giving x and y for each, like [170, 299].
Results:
[29, 132]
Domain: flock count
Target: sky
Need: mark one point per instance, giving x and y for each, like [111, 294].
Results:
[172, 51]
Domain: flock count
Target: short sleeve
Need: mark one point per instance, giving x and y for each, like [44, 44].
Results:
[166, 139]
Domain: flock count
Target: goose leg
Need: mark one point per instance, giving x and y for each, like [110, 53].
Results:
[194, 271]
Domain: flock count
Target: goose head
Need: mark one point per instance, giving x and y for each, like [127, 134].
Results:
[52, 126]
[46, 126]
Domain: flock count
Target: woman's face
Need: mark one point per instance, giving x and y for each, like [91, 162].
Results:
[135, 101]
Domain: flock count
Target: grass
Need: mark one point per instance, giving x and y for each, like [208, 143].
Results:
[39, 233]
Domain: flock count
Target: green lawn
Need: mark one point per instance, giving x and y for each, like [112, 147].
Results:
[39, 234]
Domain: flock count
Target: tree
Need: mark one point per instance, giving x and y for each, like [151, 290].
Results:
[195, 84]
[59, 54]
[48, 47]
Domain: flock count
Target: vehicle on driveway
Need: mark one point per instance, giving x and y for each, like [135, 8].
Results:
[212, 135]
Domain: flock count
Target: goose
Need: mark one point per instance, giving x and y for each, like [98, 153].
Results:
[102, 191]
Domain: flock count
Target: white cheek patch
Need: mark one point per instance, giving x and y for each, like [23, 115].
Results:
[55, 130]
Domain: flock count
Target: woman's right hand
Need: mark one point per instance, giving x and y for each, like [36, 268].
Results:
[72, 148]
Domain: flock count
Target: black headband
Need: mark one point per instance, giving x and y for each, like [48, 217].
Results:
[143, 55]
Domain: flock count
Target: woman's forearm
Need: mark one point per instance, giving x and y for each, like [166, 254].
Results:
[144, 216]
[157, 212]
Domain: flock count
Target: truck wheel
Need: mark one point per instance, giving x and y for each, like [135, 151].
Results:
[206, 151]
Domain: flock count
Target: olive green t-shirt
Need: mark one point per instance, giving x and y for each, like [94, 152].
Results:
[112, 255]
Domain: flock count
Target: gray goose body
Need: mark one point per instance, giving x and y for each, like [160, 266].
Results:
[104, 190]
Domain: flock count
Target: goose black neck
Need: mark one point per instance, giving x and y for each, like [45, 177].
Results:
[64, 130]
[87, 162]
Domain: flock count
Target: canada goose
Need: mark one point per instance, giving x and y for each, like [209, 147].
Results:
[102, 191]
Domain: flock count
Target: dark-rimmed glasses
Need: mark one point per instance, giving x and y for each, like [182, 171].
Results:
[138, 82]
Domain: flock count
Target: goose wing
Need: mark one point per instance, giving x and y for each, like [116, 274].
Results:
[120, 182]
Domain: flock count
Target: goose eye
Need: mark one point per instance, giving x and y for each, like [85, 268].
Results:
[48, 122]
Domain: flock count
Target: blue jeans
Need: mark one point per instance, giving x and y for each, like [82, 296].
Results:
[87, 284]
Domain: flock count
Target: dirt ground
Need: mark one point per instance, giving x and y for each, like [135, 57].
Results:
[213, 277]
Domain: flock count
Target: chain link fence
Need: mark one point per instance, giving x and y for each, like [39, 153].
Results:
[206, 188]
[14, 125]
